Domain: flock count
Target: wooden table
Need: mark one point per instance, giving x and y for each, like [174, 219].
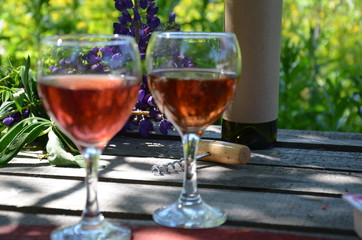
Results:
[295, 187]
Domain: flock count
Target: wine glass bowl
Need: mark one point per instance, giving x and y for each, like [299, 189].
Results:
[209, 92]
[89, 85]
[192, 77]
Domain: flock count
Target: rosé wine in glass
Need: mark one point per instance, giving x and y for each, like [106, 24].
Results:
[89, 85]
[192, 77]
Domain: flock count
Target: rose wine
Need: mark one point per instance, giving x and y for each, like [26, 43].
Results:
[192, 99]
[90, 108]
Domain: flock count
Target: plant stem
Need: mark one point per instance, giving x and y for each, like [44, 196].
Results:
[17, 110]
[4, 78]
[137, 24]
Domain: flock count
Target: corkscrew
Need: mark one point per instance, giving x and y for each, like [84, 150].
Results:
[174, 166]
[212, 151]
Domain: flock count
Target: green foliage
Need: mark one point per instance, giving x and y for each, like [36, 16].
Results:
[19, 94]
[321, 66]
[15, 98]
[18, 136]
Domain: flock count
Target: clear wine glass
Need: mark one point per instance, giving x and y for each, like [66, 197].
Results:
[89, 85]
[192, 77]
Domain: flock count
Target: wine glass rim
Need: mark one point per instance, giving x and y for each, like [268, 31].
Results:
[87, 39]
[167, 34]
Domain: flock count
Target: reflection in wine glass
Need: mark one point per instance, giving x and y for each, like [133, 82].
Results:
[192, 77]
[89, 86]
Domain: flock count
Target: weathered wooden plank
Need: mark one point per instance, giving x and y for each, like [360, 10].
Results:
[304, 136]
[320, 137]
[253, 177]
[309, 158]
[285, 136]
[313, 158]
[242, 207]
[171, 150]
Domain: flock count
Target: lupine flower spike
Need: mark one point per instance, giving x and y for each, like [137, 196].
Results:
[138, 19]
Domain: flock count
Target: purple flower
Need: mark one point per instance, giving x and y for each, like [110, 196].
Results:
[120, 29]
[26, 113]
[135, 120]
[165, 125]
[143, 4]
[106, 50]
[120, 6]
[128, 3]
[141, 95]
[91, 57]
[145, 127]
[53, 68]
[62, 62]
[153, 22]
[152, 10]
[184, 61]
[98, 68]
[116, 61]
[126, 18]
[155, 114]
[136, 15]
[172, 17]
[151, 101]
[68, 61]
[95, 50]
[144, 80]
[15, 118]
[8, 121]
[140, 24]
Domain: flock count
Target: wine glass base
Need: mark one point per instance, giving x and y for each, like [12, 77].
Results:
[103, 231]
[179, 215]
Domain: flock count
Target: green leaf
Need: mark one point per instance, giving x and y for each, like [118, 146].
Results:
[5, 95]
[18, 136]
[6, 107]
[28, 80]
[68, 144]
[19, 98]
[25, 74]
[58, 156]
[18, 129]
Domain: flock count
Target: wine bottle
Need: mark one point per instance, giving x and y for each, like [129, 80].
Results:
[251, 118]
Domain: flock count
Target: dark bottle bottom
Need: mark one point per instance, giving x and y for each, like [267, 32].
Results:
[253, 135]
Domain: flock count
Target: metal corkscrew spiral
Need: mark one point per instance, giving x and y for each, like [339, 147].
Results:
[174, 166]
[212, 151]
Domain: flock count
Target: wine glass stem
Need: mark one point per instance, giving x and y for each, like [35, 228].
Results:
[91, 214]
[189, 192]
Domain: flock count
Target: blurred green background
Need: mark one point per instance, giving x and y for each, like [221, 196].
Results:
[321, 55]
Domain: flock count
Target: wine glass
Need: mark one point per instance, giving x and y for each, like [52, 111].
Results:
[89, 85]
[192, 77]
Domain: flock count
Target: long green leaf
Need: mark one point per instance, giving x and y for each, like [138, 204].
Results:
[23, 137]
[6, 107]
[19, 98]
[25, 75]
[28, 80]
[18, 129]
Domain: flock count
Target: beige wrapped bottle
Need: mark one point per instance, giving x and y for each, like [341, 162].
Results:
[251, 118]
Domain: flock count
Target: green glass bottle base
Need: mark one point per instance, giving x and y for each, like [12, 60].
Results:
[253, 135]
